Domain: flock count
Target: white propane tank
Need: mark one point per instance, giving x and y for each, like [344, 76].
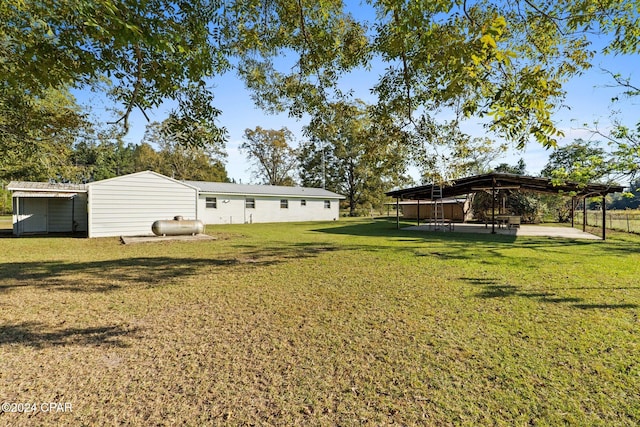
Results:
[177, 227]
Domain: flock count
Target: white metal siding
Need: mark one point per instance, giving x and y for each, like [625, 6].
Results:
[80, 212]
[64, 212]
[231, 209]
[128, 205]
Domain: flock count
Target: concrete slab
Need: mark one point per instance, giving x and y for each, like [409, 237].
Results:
[524, 230]
[130, 240]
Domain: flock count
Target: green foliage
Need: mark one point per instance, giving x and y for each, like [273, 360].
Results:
[270, 152]
[105, 157]
[625, 143]
[519, 169]
[443, 153]
[175, 159]
[353, 155]
[628, 200]
[141, 53]
[502, 62]
[316, 38]
[582, 162]
[37, 133]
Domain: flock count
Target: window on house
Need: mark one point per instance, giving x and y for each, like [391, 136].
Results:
[211, 203]
[303, 202]
[284, 204]
[250, 203]
[327, 204]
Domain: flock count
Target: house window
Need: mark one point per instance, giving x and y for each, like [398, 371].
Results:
[211, 203]
[250, 203]
[284, 204]
[327, 204]
[303, 202]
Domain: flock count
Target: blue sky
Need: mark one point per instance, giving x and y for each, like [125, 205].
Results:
[588, 100]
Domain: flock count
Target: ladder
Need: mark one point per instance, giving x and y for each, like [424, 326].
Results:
[437, 208]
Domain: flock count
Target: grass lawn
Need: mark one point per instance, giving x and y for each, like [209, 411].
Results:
[343, 323]
[6, 222]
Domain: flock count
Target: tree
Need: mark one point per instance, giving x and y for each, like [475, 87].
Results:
[519, 168]
[503, 62]
[102, 156]
[140, 53]
[179, 161]
[37, 133]
[353, 155]
[272, 157]
[629, 200]
[581, 162]
[443, 153]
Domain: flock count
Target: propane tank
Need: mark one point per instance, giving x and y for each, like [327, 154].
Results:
[177, 227]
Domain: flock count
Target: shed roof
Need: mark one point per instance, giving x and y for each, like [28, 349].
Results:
[45, 194]
[262, 190]
[501, 181]
[57, 187]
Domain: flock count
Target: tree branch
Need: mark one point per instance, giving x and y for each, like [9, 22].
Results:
[136, 88]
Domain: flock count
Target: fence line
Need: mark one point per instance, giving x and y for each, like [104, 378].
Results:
[615, 220]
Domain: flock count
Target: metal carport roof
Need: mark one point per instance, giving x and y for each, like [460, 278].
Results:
[502, 181]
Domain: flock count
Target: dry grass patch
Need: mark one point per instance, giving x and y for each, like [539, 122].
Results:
[322, 324]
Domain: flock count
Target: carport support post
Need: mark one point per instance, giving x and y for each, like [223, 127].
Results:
[604, 217]
[493, 207]
[418, 215]
[18, 221]
[398, 213]
[584, 214]
[573, 210]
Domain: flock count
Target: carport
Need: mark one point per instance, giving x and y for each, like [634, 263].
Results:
[495, 182]
[48, 207]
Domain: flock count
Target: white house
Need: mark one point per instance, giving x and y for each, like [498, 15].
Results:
[128, 205]
[225, 203]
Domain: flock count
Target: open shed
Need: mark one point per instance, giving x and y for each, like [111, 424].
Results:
[45, 207]
[495, 182]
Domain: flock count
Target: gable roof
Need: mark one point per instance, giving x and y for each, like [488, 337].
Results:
[262, 190]
[151, 173]
[504, 181]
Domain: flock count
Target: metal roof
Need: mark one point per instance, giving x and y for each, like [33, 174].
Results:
[449, 201]
[46, 187]
[505, 181]
[262, 190]
[45, 194]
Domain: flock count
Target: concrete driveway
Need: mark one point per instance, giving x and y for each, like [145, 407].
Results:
[524, 230]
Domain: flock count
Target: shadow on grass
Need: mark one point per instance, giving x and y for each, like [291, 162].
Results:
[490, 289]
[109, 275]
[31, 334]
[468, 241]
